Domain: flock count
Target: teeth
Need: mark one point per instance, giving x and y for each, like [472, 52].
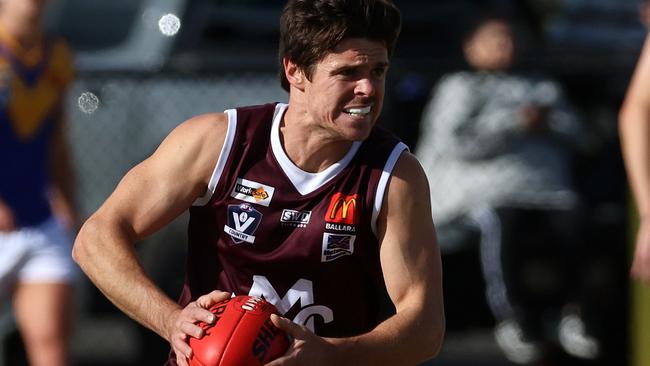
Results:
[358, 111]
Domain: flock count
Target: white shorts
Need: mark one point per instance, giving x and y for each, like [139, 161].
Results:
[37, 254]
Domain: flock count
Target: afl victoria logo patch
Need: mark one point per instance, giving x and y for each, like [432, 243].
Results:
[243, 221]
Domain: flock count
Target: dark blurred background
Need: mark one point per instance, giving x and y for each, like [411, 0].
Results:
[136, 83]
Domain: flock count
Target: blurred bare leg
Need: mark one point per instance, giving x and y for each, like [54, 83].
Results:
[43, 312]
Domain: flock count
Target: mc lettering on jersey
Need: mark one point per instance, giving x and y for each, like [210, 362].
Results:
[342, 209]
[301, 293]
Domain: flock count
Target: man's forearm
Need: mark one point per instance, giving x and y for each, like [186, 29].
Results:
[410, 337]
[109, 259]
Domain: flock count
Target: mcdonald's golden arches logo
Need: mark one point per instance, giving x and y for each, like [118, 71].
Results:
[342, 209]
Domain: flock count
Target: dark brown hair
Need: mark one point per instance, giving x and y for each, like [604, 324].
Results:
[310, 29]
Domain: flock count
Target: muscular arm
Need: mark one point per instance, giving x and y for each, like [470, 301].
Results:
[149, 196]
[634, 128]
[413, 274]
[411, 264]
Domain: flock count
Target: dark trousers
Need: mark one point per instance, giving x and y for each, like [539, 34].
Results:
[531, 261]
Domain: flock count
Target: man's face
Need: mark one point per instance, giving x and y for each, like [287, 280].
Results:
[346, 91]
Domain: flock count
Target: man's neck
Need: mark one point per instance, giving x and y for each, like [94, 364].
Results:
[309, 148]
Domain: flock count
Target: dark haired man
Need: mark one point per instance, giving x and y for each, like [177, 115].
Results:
[307, 205]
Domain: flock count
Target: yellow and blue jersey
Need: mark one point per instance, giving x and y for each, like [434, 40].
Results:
[32, 87]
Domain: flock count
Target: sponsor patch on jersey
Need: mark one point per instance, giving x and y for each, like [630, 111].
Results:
[336, 246]
[295, 218]
[340, 227]
[243, 220]
[342, 209]
[253, 192]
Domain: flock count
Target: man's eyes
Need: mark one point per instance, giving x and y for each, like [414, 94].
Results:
[377, 72]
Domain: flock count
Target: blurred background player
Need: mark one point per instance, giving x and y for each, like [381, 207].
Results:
[36, 204]
[306, 204]
[634, 132]
[634, 127]
[498, 146]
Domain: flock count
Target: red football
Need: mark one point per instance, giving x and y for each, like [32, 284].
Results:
[242, 335]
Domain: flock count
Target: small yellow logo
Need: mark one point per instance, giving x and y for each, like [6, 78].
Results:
[260, 194]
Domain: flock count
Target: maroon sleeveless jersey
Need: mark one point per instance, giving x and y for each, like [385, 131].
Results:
[303, 241]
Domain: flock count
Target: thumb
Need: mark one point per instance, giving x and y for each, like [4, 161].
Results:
[292, 329]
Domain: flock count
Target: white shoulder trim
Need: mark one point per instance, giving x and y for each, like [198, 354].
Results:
[383, 183]
[223, 158]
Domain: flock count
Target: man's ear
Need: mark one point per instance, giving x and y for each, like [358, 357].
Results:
[294, 74]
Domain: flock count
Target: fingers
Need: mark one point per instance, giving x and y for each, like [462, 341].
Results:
[181, 361]
[280, 322]
[207, 300]
[198, 310]
[180, 343]
[292, 329]
[284, 360]
[192, 330]
[194, 313]
[182, 349]
[186, 324]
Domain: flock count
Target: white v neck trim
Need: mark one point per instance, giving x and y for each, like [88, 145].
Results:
[304, 182]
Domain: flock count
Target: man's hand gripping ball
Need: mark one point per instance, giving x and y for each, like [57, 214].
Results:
[242, 335]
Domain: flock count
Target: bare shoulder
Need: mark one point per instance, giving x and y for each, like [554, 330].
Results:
[194, 146]
[203, 132]
[408, 178]
[203, 127]
[406, 205]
